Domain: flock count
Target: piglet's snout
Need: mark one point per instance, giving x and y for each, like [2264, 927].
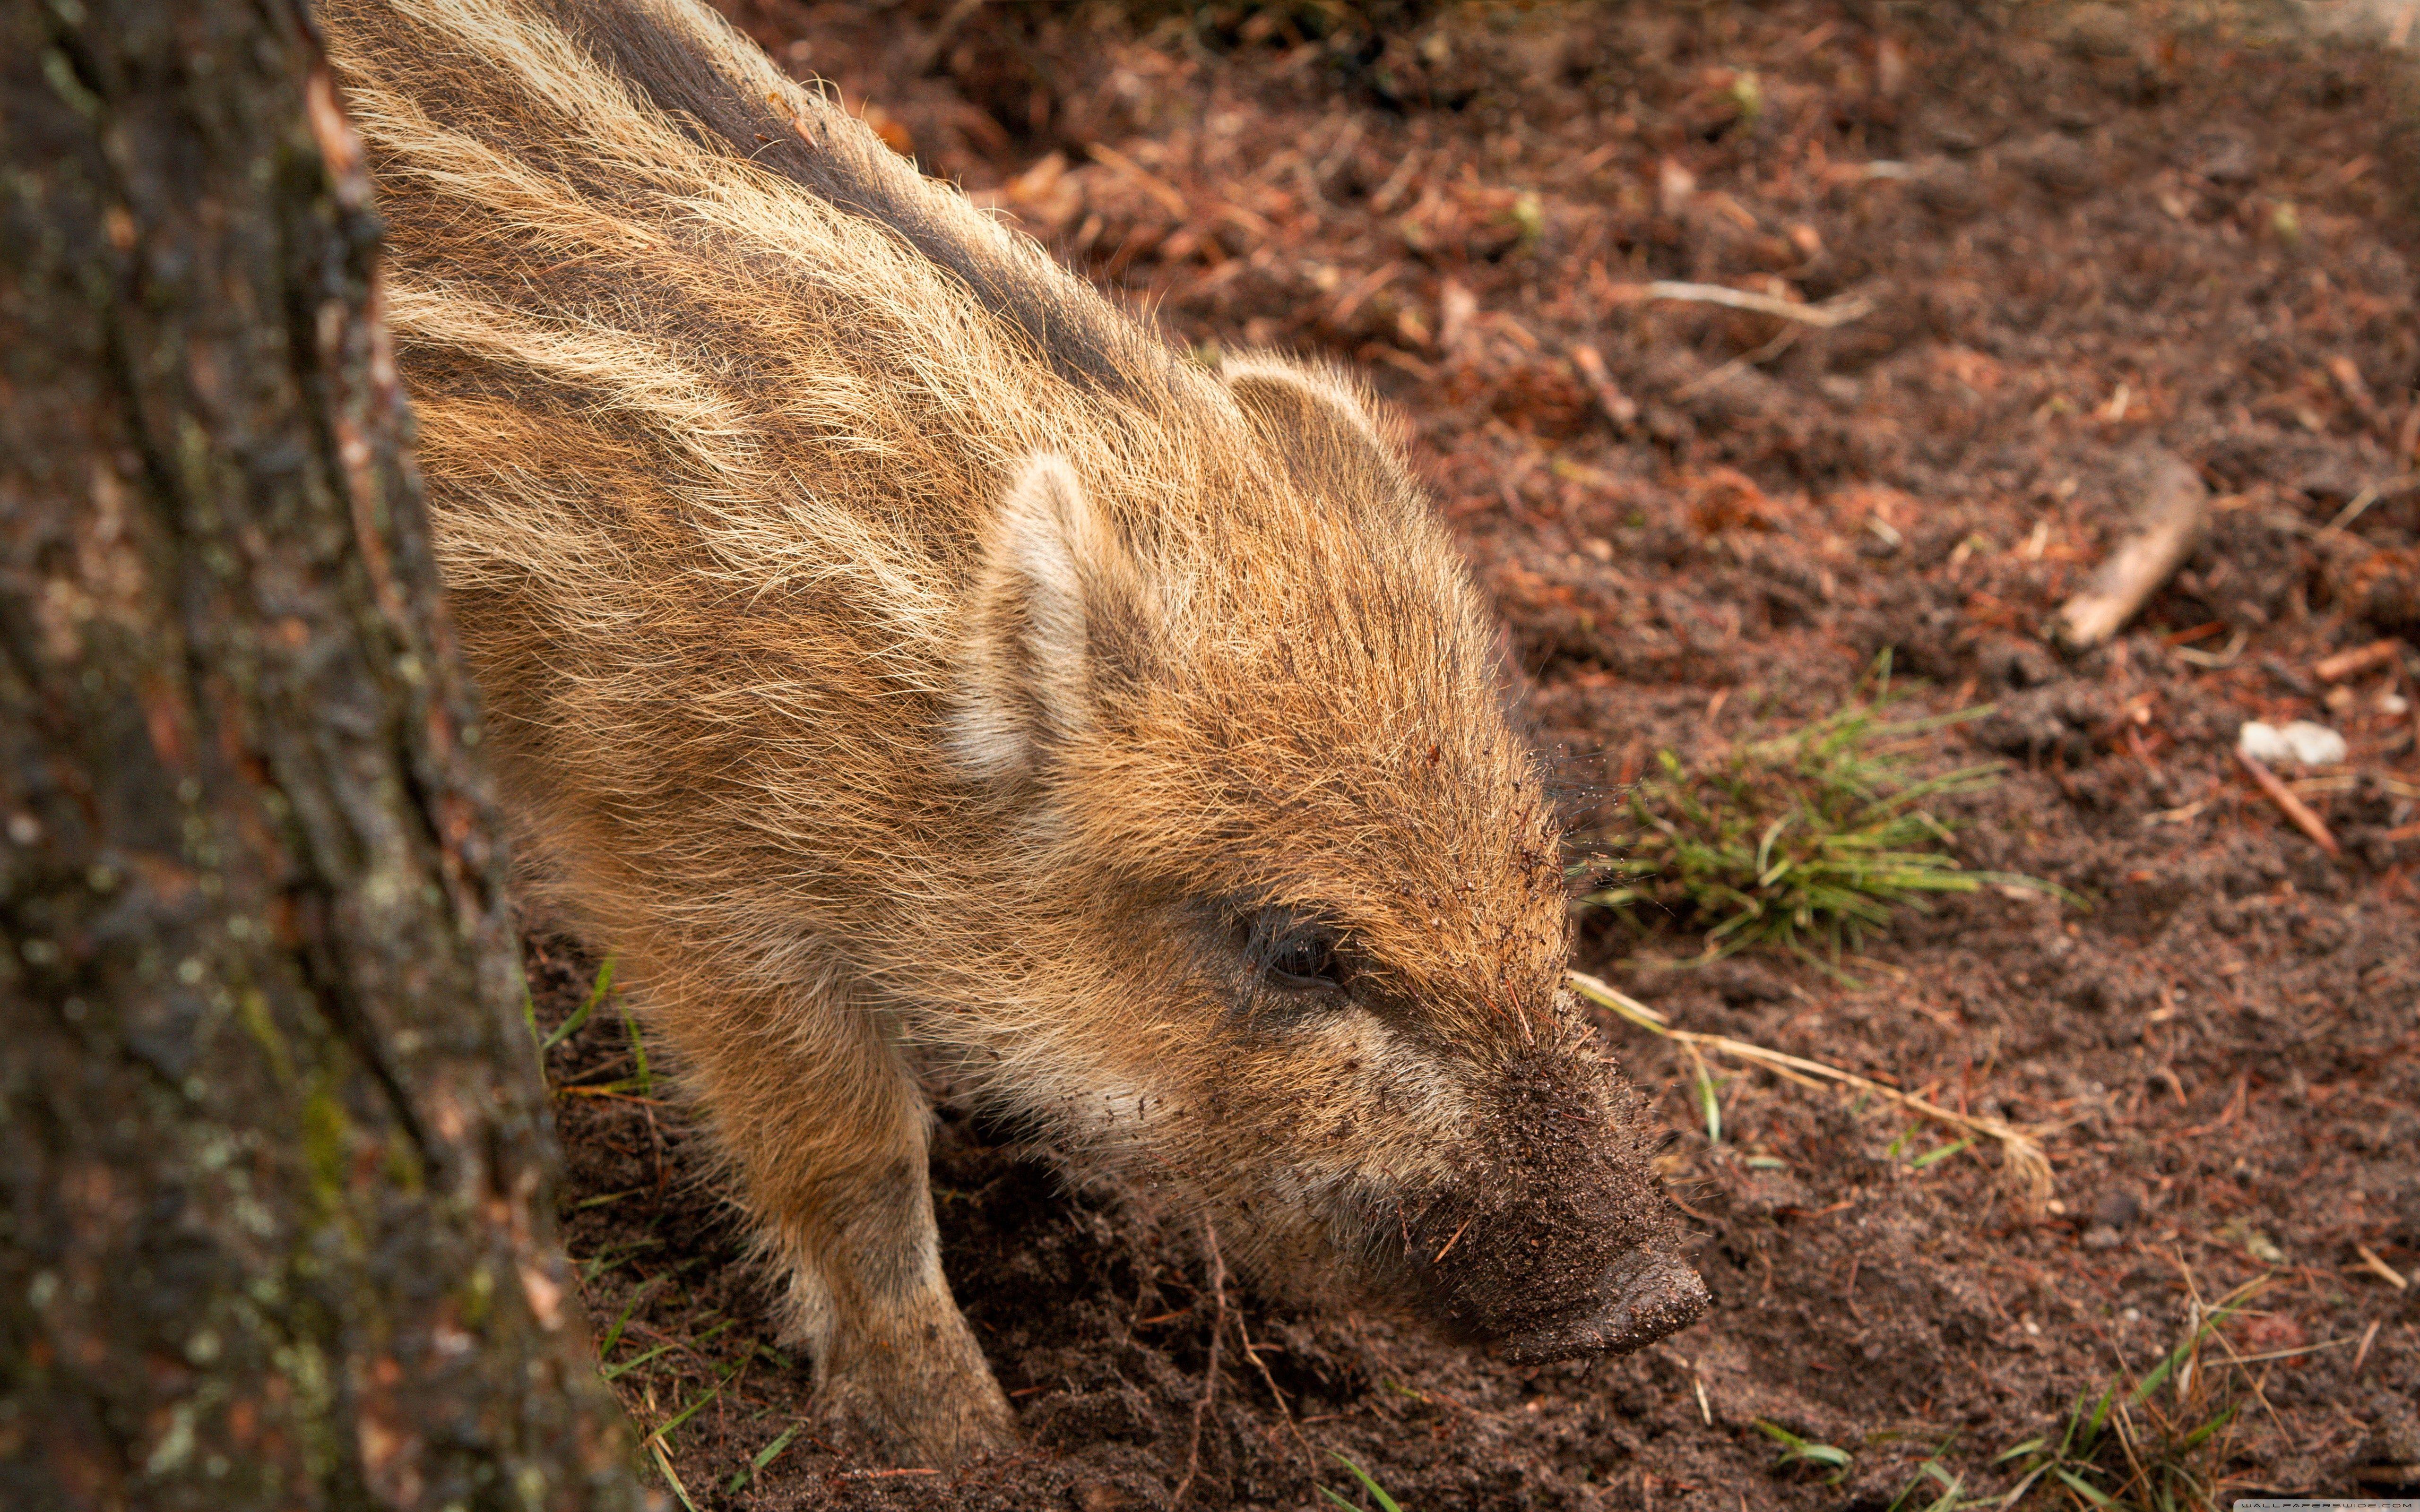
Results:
[1640, 1299]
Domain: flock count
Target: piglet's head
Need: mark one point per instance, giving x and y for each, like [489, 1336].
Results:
[1284, 928]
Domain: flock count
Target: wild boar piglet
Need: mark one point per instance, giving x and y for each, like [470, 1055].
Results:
[911, 669]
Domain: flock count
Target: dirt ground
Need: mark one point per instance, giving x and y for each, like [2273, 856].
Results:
[2062, 234]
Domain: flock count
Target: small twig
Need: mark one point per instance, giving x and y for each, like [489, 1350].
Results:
[2376, 492]
[1457, 1238]
[1359, 295]
[2170, 522]
[2350, 511]
[1142, 178]
[2370, 1262]
[1310, 1455]
[2236, 1102]
[1618, 406]
[608, 1092]
[1383, 200]
[1716, 376]
[2289, 1353]
[926, 56]
[2215, 659]
[2022, 1151]
[2291, 806]
[2354, 663]
[1210, 1375]
[1833, 312]
[2259, 1396]
[2123, 1421]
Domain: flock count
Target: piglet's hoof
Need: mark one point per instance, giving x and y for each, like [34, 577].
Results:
[921, 1423]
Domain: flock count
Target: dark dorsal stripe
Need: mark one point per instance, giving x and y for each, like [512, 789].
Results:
[1077, 335]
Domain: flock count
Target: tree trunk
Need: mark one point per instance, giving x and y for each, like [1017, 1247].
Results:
[277, 1166]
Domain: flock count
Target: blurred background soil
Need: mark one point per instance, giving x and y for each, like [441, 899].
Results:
[2061, 235]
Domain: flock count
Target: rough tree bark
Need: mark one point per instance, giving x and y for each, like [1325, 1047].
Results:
[277, 1174]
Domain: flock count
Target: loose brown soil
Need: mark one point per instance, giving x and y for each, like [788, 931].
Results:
[2080, 231]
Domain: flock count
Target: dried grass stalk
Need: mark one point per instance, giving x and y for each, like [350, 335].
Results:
[2018, 1147]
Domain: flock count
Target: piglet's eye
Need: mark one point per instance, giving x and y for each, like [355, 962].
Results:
[1294, 953]
[1305, 960]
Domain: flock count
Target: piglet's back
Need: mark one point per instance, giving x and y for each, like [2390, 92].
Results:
[716, 395]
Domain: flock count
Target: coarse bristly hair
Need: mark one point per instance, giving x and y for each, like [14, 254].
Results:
[907, 665]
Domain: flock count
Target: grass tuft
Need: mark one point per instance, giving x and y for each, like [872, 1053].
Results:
[2130, 1450]
[1815, 838]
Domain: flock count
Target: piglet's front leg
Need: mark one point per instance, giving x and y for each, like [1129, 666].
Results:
[829, 1133]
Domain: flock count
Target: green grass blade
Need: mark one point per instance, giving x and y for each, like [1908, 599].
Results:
[1935, 1157]
[613, 1259]
[770, 1452]
[643, 1079]
[615, 1372]
[613, 1335]
[1378, 1492]
[757, 1462]
[664, 1432]
[1764, 850]
[596, 994]
[2201, 1435]
[2017, 1491]
[1794, 1448]
[2159, 1373]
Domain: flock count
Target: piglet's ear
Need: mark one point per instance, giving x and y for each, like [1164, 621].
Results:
[1058, 621]
[1317, 421]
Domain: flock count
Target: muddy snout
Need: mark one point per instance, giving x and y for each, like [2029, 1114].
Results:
[1556, 1242]
[1640, 1300]
[1555, 1276]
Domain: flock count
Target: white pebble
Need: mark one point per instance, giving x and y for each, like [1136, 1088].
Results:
[2301, 742]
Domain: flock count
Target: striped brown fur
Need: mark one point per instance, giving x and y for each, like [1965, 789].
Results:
[914, 671]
